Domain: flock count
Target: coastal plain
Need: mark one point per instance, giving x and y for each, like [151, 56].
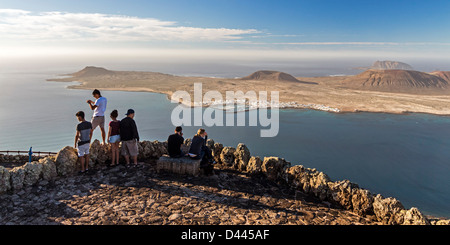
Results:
[400, 94]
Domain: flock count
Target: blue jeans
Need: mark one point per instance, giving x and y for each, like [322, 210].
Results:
[202, 154]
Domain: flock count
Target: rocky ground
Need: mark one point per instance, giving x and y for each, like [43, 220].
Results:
[141, 196]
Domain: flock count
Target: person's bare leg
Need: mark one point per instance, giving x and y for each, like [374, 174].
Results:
[103, 135]
[82, 163]
[127, 160]
[135, 160]
[86, 162]
[117, 153]
[113, 154]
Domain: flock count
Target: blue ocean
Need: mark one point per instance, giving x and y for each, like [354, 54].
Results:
[403, 156]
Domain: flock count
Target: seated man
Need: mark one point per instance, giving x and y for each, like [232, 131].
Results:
[174, 143]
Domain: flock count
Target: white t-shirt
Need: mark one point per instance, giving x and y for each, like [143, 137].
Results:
[99, 111]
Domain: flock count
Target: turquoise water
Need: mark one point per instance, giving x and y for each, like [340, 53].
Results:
[404, 156]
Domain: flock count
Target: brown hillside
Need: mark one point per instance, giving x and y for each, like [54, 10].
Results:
[273, 76]
[396, 81]
[442, 74]
[390, 65]
[91, 71]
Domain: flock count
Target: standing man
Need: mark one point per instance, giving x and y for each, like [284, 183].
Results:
[130, 137]
[99, 108]
[83, 140]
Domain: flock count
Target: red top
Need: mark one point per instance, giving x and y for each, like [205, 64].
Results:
[115, 127]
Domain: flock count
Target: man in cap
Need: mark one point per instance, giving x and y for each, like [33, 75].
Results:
[130, 137]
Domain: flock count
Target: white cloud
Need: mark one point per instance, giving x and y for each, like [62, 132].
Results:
[24, 33]
[62, 26]
[13, 11]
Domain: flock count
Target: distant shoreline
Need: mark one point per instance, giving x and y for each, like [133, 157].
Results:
[316, 93]
[284, 108]
[301, 106]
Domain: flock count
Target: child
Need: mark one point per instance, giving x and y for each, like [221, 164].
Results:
[114, 137]
[83, 140]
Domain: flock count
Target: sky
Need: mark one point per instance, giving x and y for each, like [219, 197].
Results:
[276, 29]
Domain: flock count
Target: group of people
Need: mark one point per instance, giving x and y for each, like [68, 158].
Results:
[197, 150]
[125, 131]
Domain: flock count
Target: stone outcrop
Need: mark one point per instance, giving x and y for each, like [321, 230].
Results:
[186, 145]
[4, 180]
[141, 196]
[227, 156]
[160, 148]
[341, 192]
[362, 201]
[274, 168]
[254, 165]
[413, 217]
[391, 212]
[217, 150]
[349, 196]
[210, 143]
[440, 222]
[66, 161]
[387, 209]
[152, 149]
[99, 153]
[25, 175]
[146, 149]
[241, 157]
[48, 168]
[64, 164]
[17, 177]
[344, 194]
[33, 172]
